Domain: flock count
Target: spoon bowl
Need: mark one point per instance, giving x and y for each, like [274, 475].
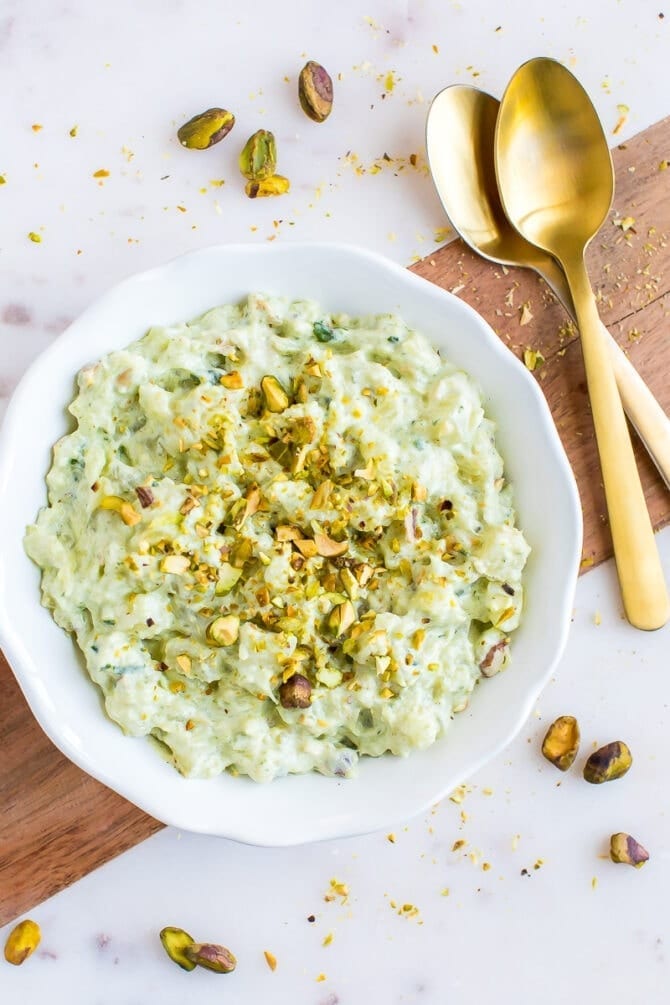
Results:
[556, 173]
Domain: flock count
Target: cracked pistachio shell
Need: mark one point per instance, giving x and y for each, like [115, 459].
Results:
[206, 129]
[608, 763]
[276, 184]
[175, 942]
[561, 743]
[315, 91]
[258, 158]
[211, 957]
[22, 941]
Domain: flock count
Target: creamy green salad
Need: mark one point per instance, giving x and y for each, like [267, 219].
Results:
[281, 538]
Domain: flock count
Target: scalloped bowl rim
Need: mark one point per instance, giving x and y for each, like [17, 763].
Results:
[302, 808]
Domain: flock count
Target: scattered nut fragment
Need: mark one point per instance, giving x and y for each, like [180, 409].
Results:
[233, 380]
[322, 495]
[276, 398]
[176, 564]
[145, 496]
[327, 547]
[206, 129]
[175, 942]
[608, 763]
[22, 941]
[276, 184]
[258, 158]
[315, 91]
[223, 631]
[625, 849]
[561, 743]
[227, 578]
[126, 511]
[211, 957]
[341, 618]
[495, 659]
[296, 692]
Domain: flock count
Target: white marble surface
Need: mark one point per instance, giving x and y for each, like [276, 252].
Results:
[126, 75]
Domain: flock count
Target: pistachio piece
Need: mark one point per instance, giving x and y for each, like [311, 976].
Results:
[304, 430]
[296, 692]
[495, 659]
[625, 849]
[175, 943]
[211, 957]
[341, 618]
[608, 763]
[22, 941]
[227, 578]
[126, 511]
[561, 743]
[329, 548]
[241, 552]
[206, 129]
[223, 631]
[349, 582]
[176, 564]
[145, 496]
[306, 547]
[276, 398]
[233, 380]
[258, 158]
[276, 184]
[322, 495]
[315, 91]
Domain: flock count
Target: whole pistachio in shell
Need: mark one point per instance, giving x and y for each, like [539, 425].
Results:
[315, 91]
[206, 129]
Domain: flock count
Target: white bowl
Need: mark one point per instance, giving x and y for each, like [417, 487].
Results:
[309, 807]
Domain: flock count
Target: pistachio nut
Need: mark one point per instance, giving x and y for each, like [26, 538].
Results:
[175, 943]
[322, 495]
[608, 763]
[275, 397]
[323, 332]
[22, 941]
[176, 564]
[276, 184]
[223, 631]
[211, 957]
[341, 618]
[315, 91]
[227, 578]
[126, 510]
[145, 496]
[625, 849]
[328, 548]
[296, 692]
[561, 743]
[258, 158]
[206, 129]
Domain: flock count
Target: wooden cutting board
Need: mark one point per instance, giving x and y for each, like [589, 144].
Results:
[58, 824]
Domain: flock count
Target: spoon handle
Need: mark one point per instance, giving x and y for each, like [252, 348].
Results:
[639, 568]
[645, 414]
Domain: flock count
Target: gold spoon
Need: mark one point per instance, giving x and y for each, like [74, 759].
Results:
[556, 184]
[460, 134]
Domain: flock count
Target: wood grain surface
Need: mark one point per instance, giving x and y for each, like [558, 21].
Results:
[58, 824]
